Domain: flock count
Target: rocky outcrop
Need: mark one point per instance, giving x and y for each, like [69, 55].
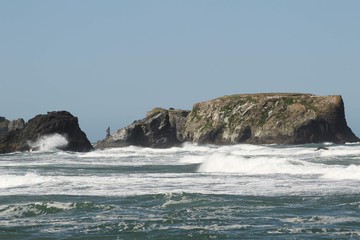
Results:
[3, 125]
[16, 124]
[8, 126]
[269, 118]
[284, 118]
[62, 123]
[160, 129]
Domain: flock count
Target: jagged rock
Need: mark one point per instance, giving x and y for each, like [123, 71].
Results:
[8, 126]
[61, 122]
[269, 118]
[16, 124]
[3, 125]
[284, 118]
[159, 130]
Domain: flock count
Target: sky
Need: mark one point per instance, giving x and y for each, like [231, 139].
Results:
[109, 62]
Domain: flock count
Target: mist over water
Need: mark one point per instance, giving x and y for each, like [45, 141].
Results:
[221, 192]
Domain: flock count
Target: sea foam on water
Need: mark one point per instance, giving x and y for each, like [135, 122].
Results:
[12, 181]
[234, 192]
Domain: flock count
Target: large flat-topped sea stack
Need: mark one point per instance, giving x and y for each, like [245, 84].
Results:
[283, 118]
[279, 118]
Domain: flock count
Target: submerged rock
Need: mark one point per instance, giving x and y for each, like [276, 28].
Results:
[60, 123]
[321, 148]
[283, 118]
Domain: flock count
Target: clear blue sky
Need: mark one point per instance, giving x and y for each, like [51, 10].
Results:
[109, 62]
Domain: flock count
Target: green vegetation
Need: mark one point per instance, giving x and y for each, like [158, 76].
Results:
[264, 115]
[155, 111]
[227, 110]
[288, 100]
[308, 104]
[250, 99]
[194, 113]
[240, 100]
[248, 109]
[207, 127]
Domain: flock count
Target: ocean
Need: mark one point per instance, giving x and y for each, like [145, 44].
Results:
[189, 192]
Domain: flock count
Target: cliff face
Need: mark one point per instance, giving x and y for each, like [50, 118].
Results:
[160, 129]
[3, 125]
[8, 126]
[62, 123]
[244, 118]
[269, 118]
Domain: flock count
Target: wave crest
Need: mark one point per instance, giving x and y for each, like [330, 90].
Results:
[49, 143]
[264, 165]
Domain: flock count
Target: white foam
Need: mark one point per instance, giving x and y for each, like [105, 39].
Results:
[10, 181]
[36, 208]
[322, 219]
[49, 142]
[192, 159]
[228, 163]
[170, 201]
[346, 150]
[223, 163]
[240, 169]
[343, 172]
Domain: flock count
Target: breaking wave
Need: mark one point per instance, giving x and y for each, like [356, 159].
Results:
[29, 179]
[49, 143]
[267, 160]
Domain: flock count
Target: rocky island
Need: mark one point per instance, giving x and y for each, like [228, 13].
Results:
[269, 118]
[19, 136]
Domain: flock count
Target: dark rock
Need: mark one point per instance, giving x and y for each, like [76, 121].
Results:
[158, 130]
[16, 124]
[62, 123]
[321, 148]
[8, 126]
[108, 132]
[3, 126]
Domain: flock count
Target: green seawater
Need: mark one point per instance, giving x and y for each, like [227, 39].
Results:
[189, 192]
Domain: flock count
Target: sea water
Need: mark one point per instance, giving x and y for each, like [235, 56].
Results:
[188, 192]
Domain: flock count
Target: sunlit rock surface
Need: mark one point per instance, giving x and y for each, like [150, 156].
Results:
[279, 118]
[269, 118]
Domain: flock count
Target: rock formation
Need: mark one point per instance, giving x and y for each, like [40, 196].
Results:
[160, 129]
[269, 118]
[16, 124]
[18, 138]
[8, 126]
[3, 125]
[284, 118]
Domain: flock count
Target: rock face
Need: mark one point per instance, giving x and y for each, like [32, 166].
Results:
[3, 126]
[62, 123]
[284, 118]
[269, 118]
[8, 126]
[160, 129]
[16, 124]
